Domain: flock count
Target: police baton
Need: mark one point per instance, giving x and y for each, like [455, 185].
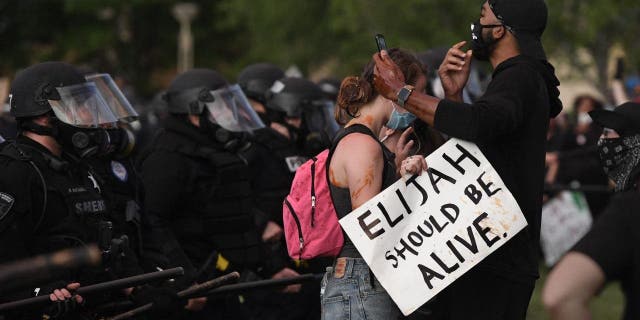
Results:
[184, 294]
[246, 286]
[25, 273]
[99, 287]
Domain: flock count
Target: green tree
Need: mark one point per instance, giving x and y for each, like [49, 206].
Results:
[595, 26]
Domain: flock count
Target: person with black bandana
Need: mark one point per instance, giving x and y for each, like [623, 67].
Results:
[509, 124]
[609, 251]
[48, 200]
[198, 195]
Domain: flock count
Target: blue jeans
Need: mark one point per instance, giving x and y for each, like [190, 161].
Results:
[351, 292]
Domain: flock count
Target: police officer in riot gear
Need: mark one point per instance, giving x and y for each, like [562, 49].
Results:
[276, 156]
[50, 201]
[307, 113]
[197, 185]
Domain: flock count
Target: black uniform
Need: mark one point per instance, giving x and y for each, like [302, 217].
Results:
[272, 170]
[53, 204]
[198, 196]
[509, 124]
[612, 244]
[120, 186]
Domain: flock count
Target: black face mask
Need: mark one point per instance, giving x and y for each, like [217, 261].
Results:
[620, 158]
[482, 48]
[264, 118]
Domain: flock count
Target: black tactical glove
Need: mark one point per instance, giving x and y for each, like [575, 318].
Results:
[65, 309]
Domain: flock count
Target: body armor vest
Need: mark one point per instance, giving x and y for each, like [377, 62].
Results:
[218, 213]
[74, 213]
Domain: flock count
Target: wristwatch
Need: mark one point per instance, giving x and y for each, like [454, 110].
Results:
[403, 94]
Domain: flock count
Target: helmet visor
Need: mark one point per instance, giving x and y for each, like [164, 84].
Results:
[231, 110]
[82, 106]
[114, 98]
[320, 118]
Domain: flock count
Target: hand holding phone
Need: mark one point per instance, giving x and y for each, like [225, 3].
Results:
[381, 43]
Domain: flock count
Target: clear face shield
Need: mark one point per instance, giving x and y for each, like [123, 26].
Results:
[320, 118]
[114, 98]
[83, 106]
[231, 110]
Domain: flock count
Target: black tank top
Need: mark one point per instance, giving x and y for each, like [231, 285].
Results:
[342, 196]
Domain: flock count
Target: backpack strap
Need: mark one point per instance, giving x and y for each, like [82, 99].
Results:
[359, 128]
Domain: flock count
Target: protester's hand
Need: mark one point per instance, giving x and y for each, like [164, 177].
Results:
[288, 273]
[64, 301]
[551, 158]
[196, 304]
[454, 71]
[413, 165]
[403, 146]
[387, 77]
[552, 164]
[272, 232]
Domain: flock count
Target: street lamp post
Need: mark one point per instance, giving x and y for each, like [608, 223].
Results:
[184, 13]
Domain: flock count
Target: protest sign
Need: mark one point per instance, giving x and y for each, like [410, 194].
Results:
[565, 220]
[423, 232]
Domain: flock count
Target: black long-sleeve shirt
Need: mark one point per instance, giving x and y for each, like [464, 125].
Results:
[509, 124]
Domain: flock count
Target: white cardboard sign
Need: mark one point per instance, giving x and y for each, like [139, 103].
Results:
[565, 220]
[423, 232]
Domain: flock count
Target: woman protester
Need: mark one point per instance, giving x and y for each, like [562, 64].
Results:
[360, 167]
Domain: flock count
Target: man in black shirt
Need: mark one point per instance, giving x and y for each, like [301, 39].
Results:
[509, 124]
[609, 252]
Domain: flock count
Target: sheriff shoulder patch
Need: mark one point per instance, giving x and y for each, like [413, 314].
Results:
[6, 202]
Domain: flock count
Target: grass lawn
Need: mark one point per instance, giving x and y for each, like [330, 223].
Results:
[608, 305]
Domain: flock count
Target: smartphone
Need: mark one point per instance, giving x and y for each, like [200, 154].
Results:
[382, 45]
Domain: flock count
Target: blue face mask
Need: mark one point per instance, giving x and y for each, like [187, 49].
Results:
[400, 121]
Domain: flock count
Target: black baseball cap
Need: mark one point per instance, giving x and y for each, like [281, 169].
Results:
[624, 119]
[526, 20]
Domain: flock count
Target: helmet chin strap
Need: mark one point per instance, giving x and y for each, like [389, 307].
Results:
[39, 129]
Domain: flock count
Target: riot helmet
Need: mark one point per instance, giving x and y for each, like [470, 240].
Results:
[189, 91]
[80, 115]
[224, 111]
[256, 80]
[303, 99]
[293, 95]
[330, 87]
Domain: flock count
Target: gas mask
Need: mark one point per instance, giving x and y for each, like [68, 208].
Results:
[482, 48]
[95, 142]
[229, 118]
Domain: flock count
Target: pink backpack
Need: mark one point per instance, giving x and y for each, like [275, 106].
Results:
[311, 225]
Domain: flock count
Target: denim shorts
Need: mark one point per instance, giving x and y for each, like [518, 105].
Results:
[350, 291]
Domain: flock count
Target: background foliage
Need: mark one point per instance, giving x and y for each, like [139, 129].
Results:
[137, 38]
